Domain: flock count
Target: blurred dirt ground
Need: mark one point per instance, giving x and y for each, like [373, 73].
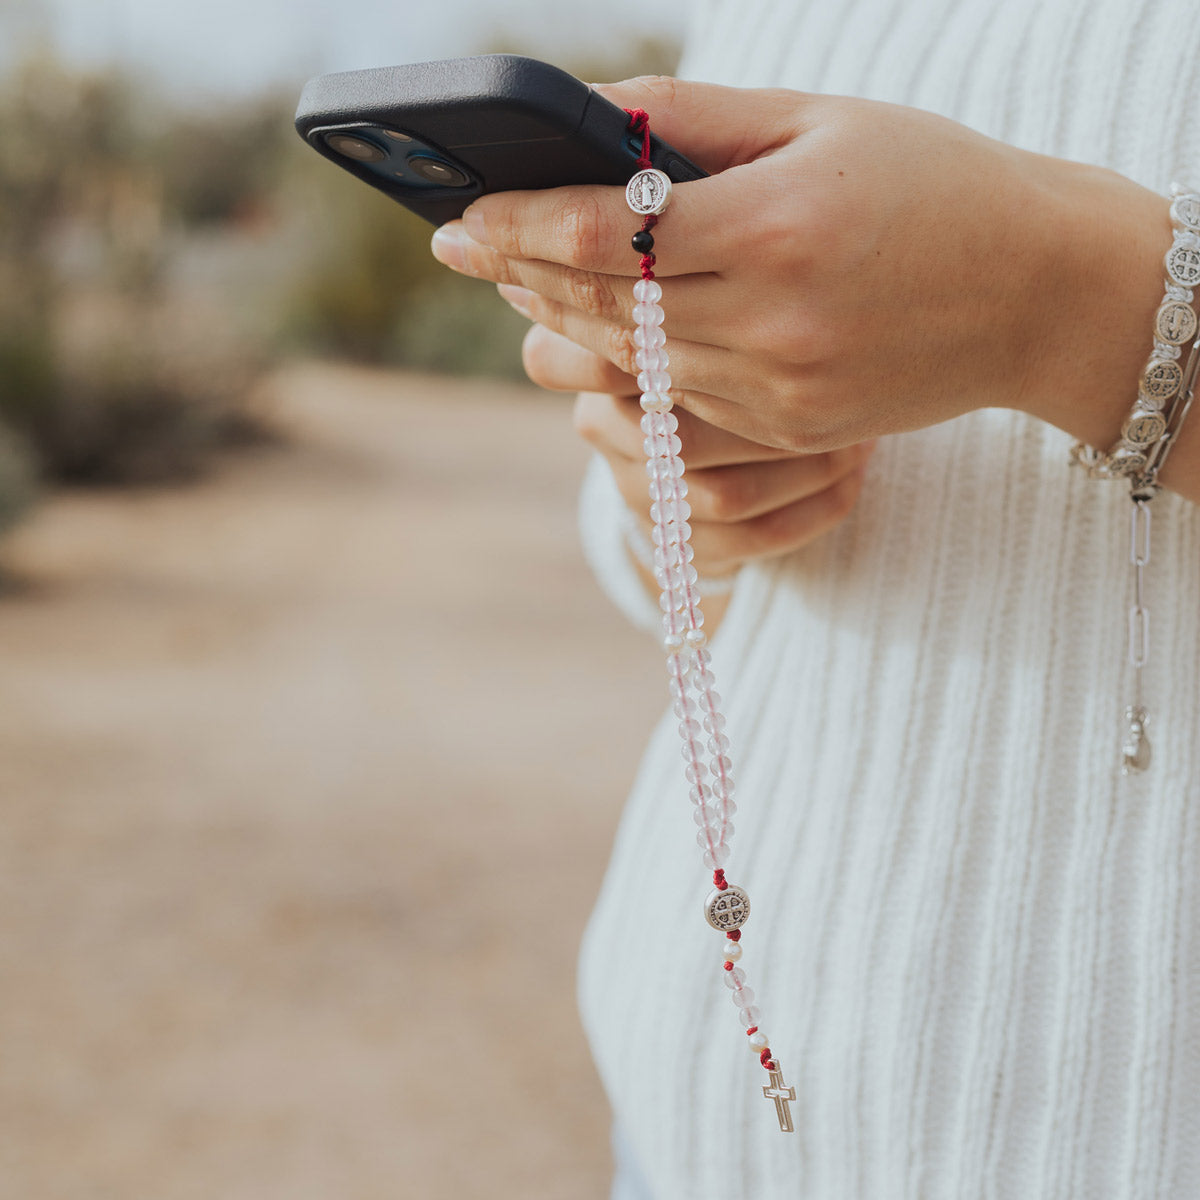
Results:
[308, 774]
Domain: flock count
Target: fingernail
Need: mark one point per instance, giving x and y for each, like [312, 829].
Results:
[475, 224]
[520, 298]
[449, 246]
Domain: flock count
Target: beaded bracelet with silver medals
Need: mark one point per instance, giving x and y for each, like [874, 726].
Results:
[1164, 398]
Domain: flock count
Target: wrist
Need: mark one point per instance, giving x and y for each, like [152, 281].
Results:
[1096, 316]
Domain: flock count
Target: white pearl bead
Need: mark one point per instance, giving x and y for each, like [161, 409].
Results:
[758, 1042]
[732, 952]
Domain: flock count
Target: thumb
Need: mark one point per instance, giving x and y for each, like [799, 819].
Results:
[717, 127]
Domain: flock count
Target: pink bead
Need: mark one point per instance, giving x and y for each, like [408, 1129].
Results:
[654, 381]
[665, 468]
[716, 858]
[735, 978]
[656, 424]
[750, 1016]
[652, 360]
[673, 557]
[649, 314]
[670, 512]
[676, 534]
[647, 291]
[650, 336]
[662, 447]
[743, 997]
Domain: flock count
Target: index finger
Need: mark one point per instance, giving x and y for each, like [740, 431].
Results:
[589, 228]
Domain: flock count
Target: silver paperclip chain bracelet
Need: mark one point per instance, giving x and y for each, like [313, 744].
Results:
[1165, 393]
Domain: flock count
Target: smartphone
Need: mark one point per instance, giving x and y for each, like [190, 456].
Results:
[434, 136]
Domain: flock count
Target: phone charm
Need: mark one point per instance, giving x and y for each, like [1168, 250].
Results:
[707, 766]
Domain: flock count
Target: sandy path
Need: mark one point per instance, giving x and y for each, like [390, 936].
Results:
[309, 773]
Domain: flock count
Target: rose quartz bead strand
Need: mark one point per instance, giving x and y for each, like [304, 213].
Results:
[707, 766]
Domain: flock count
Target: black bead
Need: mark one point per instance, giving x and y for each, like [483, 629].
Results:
[643, 242]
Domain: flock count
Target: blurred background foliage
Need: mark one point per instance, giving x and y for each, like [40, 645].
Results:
[156, 261]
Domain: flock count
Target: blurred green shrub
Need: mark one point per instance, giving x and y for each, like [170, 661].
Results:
[17, 487]
[154, 262]
[109, 369]
[371, 290]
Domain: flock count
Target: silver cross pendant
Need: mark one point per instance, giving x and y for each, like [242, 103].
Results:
[778, 1091]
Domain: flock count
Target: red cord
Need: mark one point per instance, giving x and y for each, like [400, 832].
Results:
[639, 122]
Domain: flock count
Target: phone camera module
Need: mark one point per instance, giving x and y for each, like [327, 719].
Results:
[434, 170]
[356, 148]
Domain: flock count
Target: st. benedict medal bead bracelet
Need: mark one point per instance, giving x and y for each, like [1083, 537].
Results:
[708, 768]
[1165, 392]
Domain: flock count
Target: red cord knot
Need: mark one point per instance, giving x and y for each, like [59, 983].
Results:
[729, 966]
[765, 1059]
[734, 935]
[639, 122]
[719, 880]
[752, 1030]
[648, 261]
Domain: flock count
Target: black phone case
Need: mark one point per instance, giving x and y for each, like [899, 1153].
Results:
[515, 122]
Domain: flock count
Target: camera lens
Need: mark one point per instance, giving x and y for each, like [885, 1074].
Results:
[434, 170]
[356, 148]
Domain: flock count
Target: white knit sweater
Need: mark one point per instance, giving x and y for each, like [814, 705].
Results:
[976, 947]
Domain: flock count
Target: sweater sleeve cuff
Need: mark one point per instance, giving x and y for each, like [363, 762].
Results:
[602, 518]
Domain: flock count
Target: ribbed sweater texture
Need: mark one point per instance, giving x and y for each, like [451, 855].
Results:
[975, 945]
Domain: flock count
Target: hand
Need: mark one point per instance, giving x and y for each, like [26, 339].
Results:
[850, 269]
[748, 501]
